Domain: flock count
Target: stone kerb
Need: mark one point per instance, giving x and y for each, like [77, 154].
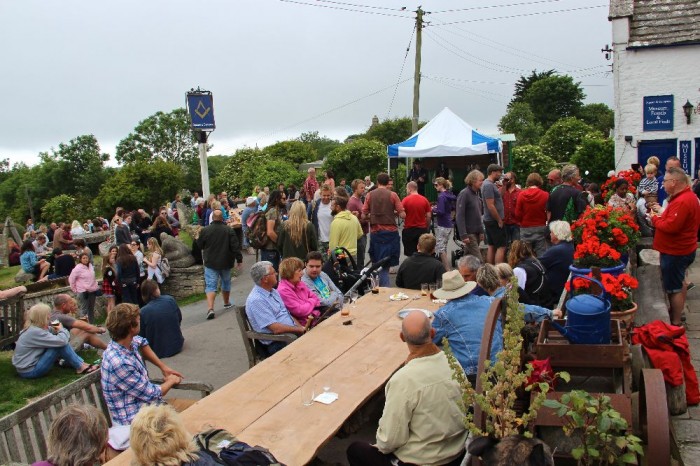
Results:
[184, 282]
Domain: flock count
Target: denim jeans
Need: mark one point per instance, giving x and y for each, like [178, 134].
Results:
[361, 251]
[271, 255]
[47, 360]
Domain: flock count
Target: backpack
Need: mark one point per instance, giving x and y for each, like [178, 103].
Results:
[257, 230]
[226, 449]
[164, 267]
[572, 212]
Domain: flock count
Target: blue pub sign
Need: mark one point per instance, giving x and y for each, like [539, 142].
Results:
[201, 108]
[658, 113]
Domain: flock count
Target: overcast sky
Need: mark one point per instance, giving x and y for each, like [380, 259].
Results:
[277, 68]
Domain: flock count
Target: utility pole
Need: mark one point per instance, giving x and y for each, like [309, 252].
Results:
[416, 75]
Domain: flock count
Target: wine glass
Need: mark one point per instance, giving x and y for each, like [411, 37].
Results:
[353, 298]
[327, 384]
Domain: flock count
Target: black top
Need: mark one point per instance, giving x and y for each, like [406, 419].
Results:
[556, 261]
[417, 269]
[122, 234]
[559, 199]
[160, 325]
[63, 265]
[220, 246]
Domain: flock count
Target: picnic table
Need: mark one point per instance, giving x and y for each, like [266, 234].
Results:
[264, 405]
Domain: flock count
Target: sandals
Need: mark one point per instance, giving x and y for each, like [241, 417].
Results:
[89, 369]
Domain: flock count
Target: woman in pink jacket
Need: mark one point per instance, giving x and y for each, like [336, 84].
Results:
[297, 298]
[82, 282]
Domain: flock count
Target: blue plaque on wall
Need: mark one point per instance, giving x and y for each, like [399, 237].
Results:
[201, 108]
[684, 155]
[658, 113]
[697, 157]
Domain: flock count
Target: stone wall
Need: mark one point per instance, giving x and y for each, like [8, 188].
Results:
[184, 282]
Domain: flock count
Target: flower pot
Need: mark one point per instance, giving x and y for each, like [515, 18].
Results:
[614, 271]
[626, 318]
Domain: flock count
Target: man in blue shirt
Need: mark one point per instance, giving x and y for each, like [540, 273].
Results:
[319, 282]
[265, 309]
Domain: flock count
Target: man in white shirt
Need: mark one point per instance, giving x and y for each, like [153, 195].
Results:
[322, 217]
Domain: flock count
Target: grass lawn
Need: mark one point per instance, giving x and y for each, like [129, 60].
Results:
[16, 392]
[7, 274]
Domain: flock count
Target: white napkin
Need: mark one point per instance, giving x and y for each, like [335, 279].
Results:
[326, 398]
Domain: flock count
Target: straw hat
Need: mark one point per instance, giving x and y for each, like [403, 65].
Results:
[453, 286]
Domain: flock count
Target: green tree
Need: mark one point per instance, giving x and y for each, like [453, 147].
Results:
[528, 159]
[524, 82]
[520, 121]
[563, 137]
[65, 208]
[248, 168]
[141, 184]
[391, 131]
[599, 116]
[358, 159]
[295, 152]
[322, 144]
[596, 156]
[161, 136]
[80, 161]
[553, 98]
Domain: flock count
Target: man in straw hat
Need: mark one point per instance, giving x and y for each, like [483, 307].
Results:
[421, 422]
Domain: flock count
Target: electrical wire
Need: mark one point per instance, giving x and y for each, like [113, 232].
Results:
[468, 90]
[483, 7]
[391, 104]
[496, 94]
[475, 62]
[364, 6]
[346, 104]
[345, 9]
[537, 13]
[469, 80]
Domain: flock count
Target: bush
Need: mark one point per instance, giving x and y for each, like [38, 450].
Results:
[528, 159]
[357, 159]
[563, 138]
[596, 156]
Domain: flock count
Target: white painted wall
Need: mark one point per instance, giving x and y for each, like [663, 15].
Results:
[649, 72]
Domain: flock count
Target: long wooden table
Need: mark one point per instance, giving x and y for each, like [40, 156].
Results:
[263, 406]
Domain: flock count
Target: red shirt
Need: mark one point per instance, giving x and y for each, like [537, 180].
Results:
[531, 207]
[677, 227]
[509, 199]
[416, 207]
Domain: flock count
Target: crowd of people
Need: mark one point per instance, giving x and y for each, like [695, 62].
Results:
[526, 231]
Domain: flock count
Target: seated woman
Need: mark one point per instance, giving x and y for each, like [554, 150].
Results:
[76, 229]
[158, 436]
[14, 251]
[533, 313]
[557, 259]
[530, 273]
[622, 198]
[297, 297]
[78, 437]
[31, 263]
[38, 347]
[41, 247]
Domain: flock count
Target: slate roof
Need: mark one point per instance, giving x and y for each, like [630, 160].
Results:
[656, 23]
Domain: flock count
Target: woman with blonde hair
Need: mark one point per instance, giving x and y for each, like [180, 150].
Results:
[77, 437]
[40, 345]
[152, 260]
[159, 438]
[530, 274]
[76, 229]
[297, 236]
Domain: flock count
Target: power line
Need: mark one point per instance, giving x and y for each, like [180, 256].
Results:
[345, 9]
[483, 7]
[430, 36]
[408, 48]
[347, 104]
[466, 90]
[537, 13]
[365, 6]
[469, 80]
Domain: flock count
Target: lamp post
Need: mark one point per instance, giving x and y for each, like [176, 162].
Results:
[200, 104]
[688, 110]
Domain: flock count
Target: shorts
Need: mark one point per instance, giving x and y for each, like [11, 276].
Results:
[442, 237]
[673, 271]
[211, 279]
[495, 235]
[76, 340]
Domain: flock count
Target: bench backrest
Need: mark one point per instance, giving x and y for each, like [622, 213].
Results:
[24, 433]
[246, 332]
[11, 320]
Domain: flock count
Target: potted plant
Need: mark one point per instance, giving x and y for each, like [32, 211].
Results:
[601, 431]
[619, 289]
[602, 235]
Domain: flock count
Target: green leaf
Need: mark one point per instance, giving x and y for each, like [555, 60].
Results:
[554, 404]
[564, 376]
[578, 452]
[593, 452]
[629, 458]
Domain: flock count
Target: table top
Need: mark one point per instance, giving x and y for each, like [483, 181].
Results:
[263, 406]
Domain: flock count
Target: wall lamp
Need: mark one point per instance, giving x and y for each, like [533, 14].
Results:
[688, 110]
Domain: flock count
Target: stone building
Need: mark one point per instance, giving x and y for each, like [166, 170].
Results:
[656, 72]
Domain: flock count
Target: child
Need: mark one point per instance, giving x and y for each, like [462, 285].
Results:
[109, 278]
[649, 185]
[152, 260]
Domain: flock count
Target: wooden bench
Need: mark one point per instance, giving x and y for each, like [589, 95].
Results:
[11, 319]
[23, 434]
[251, 338]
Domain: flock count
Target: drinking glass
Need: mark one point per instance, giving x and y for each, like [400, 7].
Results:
[424, 289]
[307, 392]
[346, 306]
[353, 298]
[432, 287]
[327, 383]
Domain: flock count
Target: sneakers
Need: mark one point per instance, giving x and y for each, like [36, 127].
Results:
[691, 285]
[210, 314]
[250, 251]
[228, 305]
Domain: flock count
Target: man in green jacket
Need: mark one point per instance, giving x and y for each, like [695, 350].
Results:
[220, 249]
[345, 227]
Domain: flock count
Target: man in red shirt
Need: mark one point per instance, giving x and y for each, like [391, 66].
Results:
[355, 207]
[418, 212]
[381, 207]
[309, 187]
[676, 237]
[509, 192]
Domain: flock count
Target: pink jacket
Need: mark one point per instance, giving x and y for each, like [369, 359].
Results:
[82, 279]
[299, 300]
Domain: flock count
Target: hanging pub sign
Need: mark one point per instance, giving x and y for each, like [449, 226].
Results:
[200, 105]
[684, 155]
[658, 113]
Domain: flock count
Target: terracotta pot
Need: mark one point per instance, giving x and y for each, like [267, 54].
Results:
[626, 318]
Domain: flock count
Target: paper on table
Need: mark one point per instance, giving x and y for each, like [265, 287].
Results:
[326, 398]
